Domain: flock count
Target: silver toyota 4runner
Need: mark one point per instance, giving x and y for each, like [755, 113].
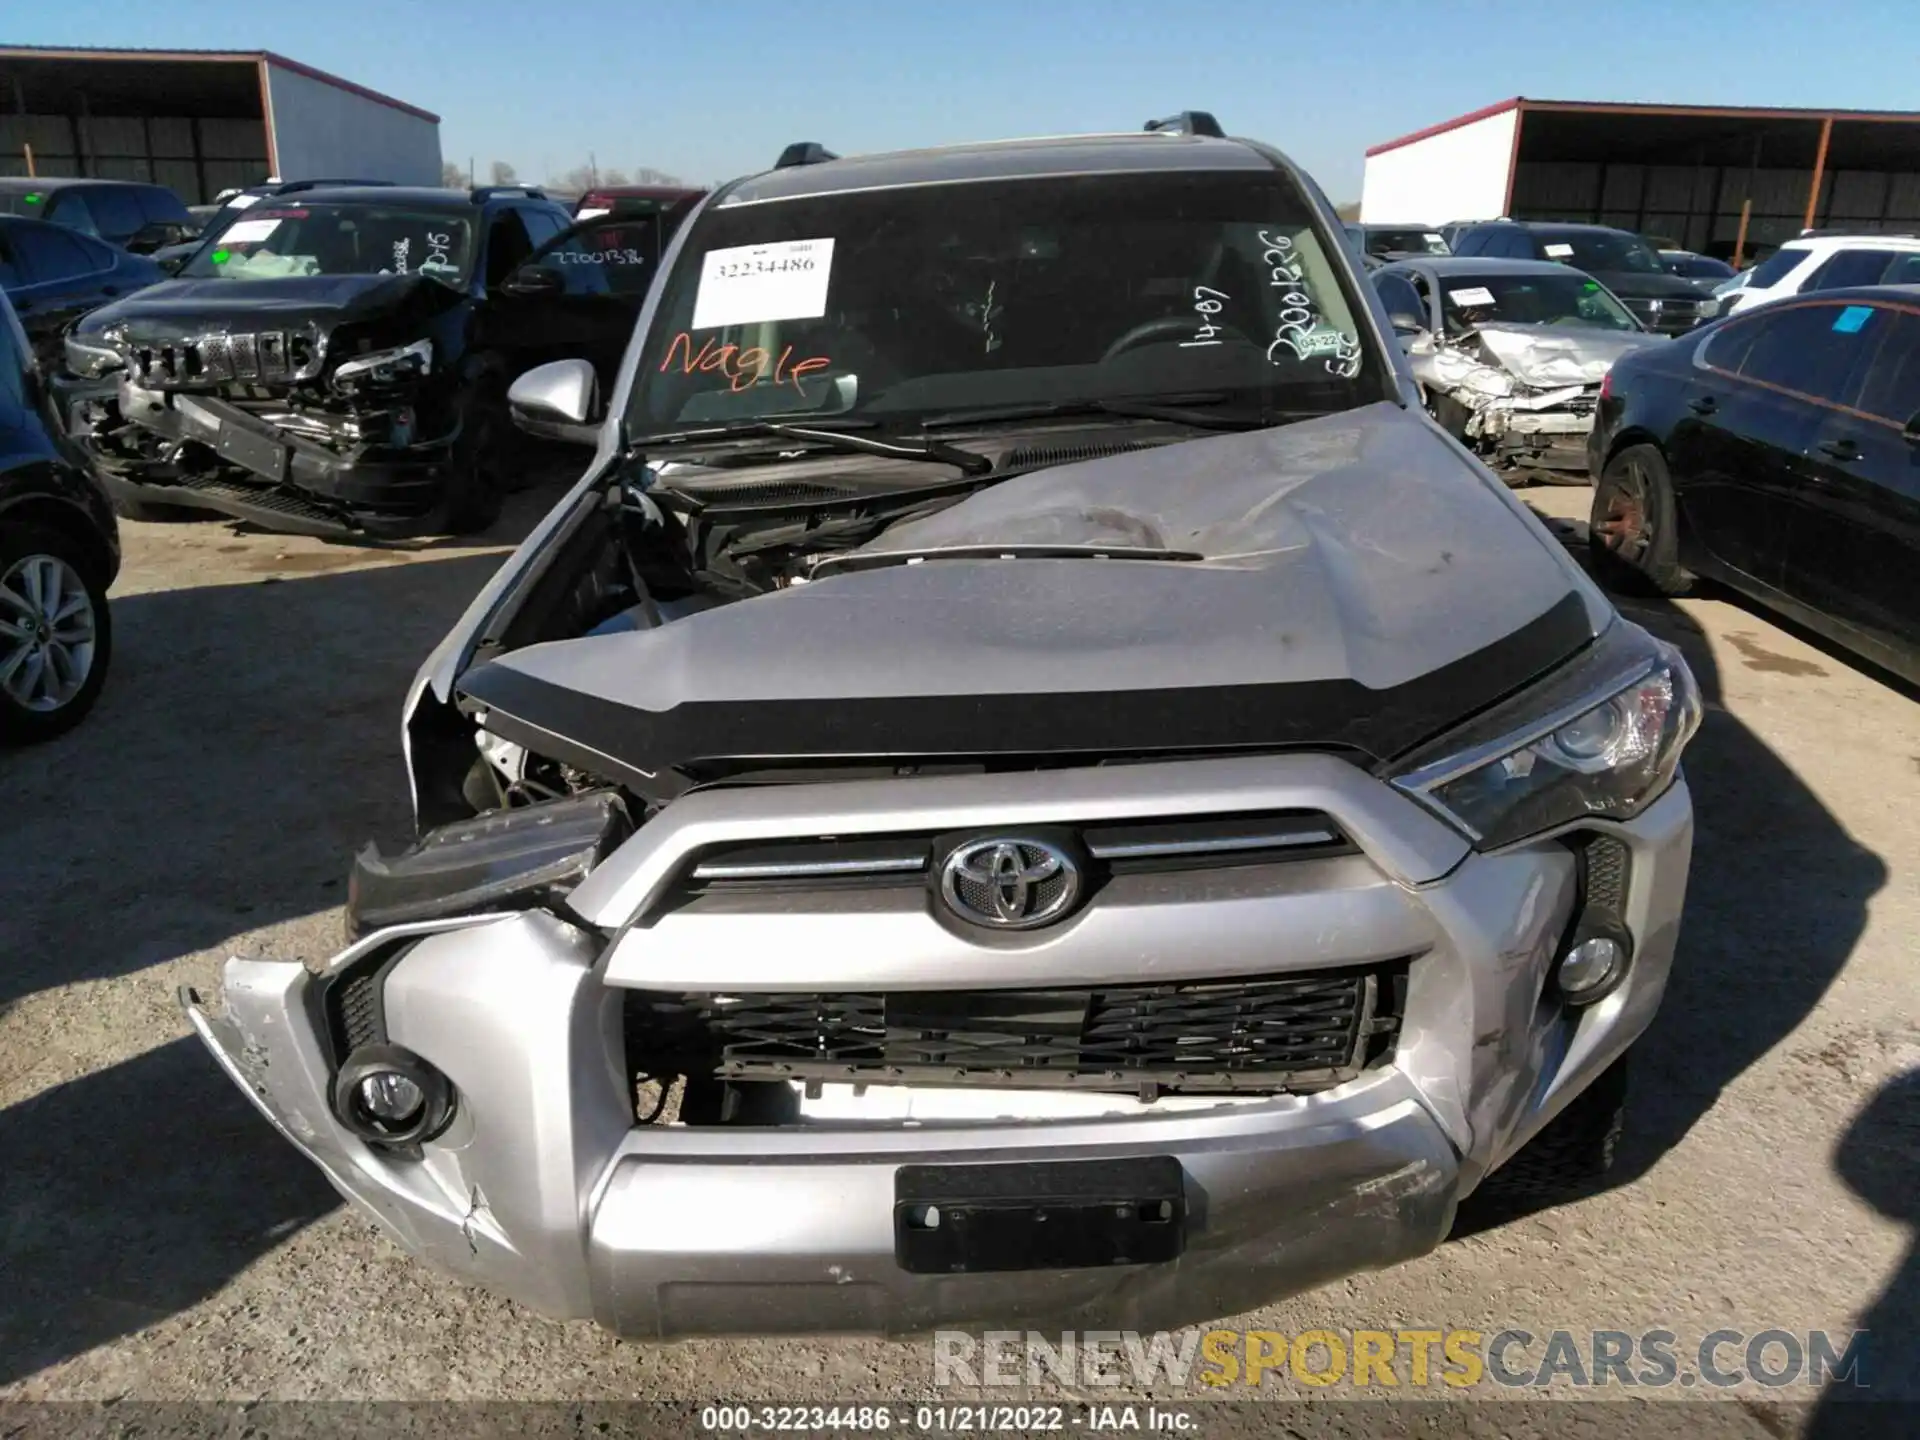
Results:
[1028, 782]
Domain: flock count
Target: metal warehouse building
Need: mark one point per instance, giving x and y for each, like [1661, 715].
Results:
[200, 121]
[1709, 177]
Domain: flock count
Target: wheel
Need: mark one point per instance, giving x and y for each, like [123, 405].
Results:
[476, 473]
[1634, 530]
[55, 633]
[1575, 1149]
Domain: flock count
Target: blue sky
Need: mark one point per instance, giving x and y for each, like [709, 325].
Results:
[707, 91]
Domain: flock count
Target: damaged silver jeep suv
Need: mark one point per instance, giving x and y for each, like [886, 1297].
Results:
[1028, 782]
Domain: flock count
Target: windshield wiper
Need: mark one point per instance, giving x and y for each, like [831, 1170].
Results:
[832, 436]
[1179, 409]
[876, 559]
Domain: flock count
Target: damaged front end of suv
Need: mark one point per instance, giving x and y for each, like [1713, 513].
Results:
[1026, 729]
[310, 392]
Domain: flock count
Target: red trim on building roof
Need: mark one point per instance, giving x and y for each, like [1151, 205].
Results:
[1456, 123]
[347, 85]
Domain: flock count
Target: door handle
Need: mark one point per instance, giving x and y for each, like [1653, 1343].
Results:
[1703, 404]
[1843, 450]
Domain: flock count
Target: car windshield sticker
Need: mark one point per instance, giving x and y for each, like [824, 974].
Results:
[746, 284]
[1472, 295]
[1301, 329]
[1429, 236]
[241, 202]
[1590, 287]
[1853, 319]
[1559, 252]
[436, 260]
[220, 256]
[590, 214]
[1207, 303]
[401, 249]
[245, 232]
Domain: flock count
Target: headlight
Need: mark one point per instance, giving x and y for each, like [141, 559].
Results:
[384, 367]
[1602, 736]
[90, 360]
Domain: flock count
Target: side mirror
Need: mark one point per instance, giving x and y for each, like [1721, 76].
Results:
[557, 401]
[531, 281]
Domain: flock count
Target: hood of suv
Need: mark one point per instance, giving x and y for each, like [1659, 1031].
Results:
[182, 309]
[1359, 584]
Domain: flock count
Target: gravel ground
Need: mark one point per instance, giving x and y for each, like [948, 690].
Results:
[161, 1243]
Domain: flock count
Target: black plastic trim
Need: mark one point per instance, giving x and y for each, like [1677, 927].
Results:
[1324, 714]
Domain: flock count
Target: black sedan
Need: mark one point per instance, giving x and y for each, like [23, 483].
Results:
[59, 551]
[53, 276]
[1777, 451]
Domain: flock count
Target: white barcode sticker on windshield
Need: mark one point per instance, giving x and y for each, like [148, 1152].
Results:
[241, 202]
[1472, 295]
[1432, 235]
[746, 284]
[243, 232]
[1559, 252]
[589, 213]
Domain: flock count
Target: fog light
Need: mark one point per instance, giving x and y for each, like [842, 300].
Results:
[391, 1096]
[388, 1095]
[1591, 969]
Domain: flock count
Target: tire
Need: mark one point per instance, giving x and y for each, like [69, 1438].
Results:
[51, 668]
[476, 473]
[1634, 528]
[1574, 1150]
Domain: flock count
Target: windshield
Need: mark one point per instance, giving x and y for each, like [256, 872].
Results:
[941, 298]
[1405, 242]
[1547, 299]
[270, 242]
[22, 202]
[1601, 250]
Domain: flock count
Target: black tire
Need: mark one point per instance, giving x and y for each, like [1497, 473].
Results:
[23, 722]
[477, 470]
[1574, 1150]
[146, 512]
[1633, 532]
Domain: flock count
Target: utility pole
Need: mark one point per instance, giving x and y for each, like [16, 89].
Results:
[593, 170]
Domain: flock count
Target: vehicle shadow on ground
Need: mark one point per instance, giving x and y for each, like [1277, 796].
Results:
[1879, 1160]
[247, 742]
[1777, 898]
[130, 1195]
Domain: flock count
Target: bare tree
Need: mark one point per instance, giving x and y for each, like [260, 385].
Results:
[453, 177]
[501, 173]
[613, 177]
[575, 182]
[647, 175]
[1348, 211]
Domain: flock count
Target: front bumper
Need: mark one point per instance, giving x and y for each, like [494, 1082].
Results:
[545, 1188]
[265, 474]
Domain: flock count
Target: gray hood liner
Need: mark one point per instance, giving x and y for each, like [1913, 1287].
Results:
[1359, 546]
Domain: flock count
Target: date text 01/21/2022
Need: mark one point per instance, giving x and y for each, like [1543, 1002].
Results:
[943, 1419]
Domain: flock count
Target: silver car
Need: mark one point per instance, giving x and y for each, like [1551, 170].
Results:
[1028, 782]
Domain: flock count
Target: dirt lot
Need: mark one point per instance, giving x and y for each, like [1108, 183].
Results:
[161, 1242]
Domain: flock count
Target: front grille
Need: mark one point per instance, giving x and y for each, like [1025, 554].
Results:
[1105, 847]
[225, 358]
[1273, 1033]
[265, 497]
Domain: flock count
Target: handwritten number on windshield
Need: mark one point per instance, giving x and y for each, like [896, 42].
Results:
[1208, 302]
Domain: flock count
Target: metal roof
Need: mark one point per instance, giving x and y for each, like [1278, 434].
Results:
[1643, 108]
[101, 54]
[1141, 152]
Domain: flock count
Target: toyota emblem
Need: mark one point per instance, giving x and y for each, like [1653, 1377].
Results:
[1009, 884]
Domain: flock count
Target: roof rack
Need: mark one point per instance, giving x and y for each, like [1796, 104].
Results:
[483, 193]
[1189, 122]
[292, 187]
[1854, 233]
[804, 152]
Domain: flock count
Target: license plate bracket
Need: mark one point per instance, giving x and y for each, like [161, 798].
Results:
[264, 457]
[1042, 1215]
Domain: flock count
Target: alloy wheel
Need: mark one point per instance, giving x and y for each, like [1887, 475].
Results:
[47, 633]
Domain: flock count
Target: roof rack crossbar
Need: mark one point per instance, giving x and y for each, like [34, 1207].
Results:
[804, 152]
[1189, 122]
[482, 193]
